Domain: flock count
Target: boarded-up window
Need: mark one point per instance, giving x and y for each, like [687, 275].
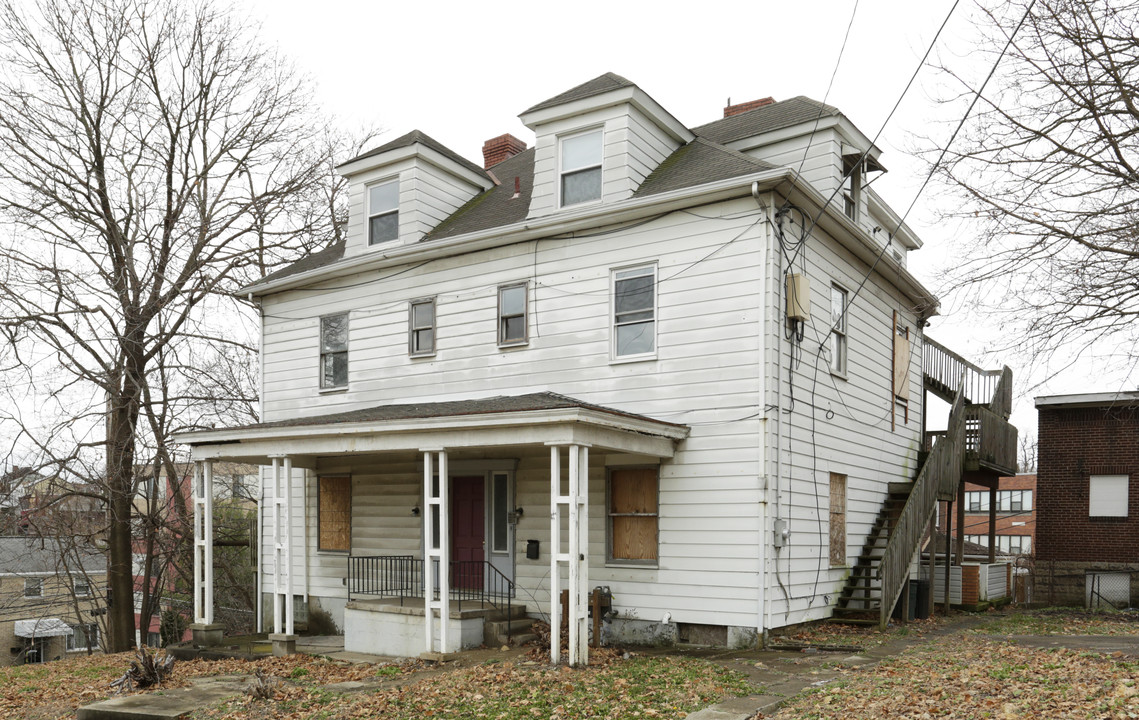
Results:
[335, 514]
[633, 514]
[902, 354]
[838, 519]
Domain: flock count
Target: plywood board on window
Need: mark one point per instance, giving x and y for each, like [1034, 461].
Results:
[838, 520]
[335, 514]
[635, 538]
[633, 491]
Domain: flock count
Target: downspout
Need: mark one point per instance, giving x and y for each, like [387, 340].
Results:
[777, 520]
[761, 610]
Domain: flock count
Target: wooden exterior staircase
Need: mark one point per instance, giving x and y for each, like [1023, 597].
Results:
[978, 438]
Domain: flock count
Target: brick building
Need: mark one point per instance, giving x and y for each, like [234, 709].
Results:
[1087, 527]
[1015, 519]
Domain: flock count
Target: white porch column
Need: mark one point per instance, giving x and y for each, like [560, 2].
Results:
[284, 630]
[436, 509]
[205, 632]
[577, 557]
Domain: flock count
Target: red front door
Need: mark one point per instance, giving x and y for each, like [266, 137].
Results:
[468, 533]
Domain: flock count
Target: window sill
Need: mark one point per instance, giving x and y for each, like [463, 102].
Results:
[630, 565]
[422, 356]
[839, 375]
[632, 359]
[512, 345]
[334, 553]
[333, 390]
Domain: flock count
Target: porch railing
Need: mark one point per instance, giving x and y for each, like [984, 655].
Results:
[401, 576]
[946, 373]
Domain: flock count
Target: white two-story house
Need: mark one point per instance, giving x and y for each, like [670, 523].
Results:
[680, 364]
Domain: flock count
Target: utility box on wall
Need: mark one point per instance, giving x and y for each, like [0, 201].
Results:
[798, 297]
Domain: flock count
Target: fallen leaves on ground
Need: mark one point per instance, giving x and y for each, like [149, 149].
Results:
[53, 690]
[832, 633]
[967, 677]
[659, 687]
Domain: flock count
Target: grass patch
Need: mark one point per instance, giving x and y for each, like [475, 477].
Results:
[1062, 621]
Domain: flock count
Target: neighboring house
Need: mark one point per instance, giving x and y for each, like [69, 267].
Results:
[15, 484]
[1015, 517]
[48, 606]
[1087, 526]
[636, 356]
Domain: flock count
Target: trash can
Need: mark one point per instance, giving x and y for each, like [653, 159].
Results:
[911, 590]
[921, 612]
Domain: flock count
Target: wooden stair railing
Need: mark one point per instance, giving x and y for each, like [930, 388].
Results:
[938, 478]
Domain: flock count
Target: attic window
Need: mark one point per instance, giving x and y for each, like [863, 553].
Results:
[383, 212]
[581, 168]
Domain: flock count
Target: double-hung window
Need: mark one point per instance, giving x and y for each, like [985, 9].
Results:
[33, 587]
[383, 212]
[837, 338]
[512, 316]
[421, 327]
[634, 312]
[81, 587]
[581, 168]
[633, 515]
[334, 351]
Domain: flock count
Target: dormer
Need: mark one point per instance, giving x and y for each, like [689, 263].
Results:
[812, 137]
[596, 143]
[401, 190]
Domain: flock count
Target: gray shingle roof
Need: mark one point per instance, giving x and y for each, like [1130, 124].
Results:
[496, 207]
[697, 163]
[451, 408]
[776, 116]
[701, 161]
[416, 136]
[596, 86]
[20, 555]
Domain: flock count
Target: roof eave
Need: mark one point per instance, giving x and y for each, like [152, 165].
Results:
[566, 221]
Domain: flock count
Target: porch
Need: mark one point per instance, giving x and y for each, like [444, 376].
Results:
[430, 486]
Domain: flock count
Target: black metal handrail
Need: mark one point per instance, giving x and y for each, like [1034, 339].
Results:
[402, 576]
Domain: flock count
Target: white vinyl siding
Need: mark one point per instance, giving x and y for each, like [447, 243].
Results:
[1107, 495]
[709, 493]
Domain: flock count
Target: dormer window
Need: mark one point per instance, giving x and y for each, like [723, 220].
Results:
[383, 212]
[581, 168]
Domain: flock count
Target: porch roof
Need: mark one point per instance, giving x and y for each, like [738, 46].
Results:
[542, 418]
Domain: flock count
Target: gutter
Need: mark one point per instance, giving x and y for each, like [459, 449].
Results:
[867, 247]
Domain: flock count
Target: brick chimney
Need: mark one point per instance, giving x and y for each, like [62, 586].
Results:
[745, 106]
[500, 148]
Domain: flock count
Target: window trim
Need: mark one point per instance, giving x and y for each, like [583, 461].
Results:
[320, 349]
[841, 333]
[412, 328]
[502, 341]
[614, 357]
[38, 584]
[369, 215]
[609, 515]
[600, 129]
[75, 582]
[319, 547]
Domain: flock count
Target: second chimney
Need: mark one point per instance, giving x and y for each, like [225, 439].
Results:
[500, 148]
[745, 106]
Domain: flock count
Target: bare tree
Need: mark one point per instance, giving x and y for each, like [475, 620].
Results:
[1046, 175]
[153, 157]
